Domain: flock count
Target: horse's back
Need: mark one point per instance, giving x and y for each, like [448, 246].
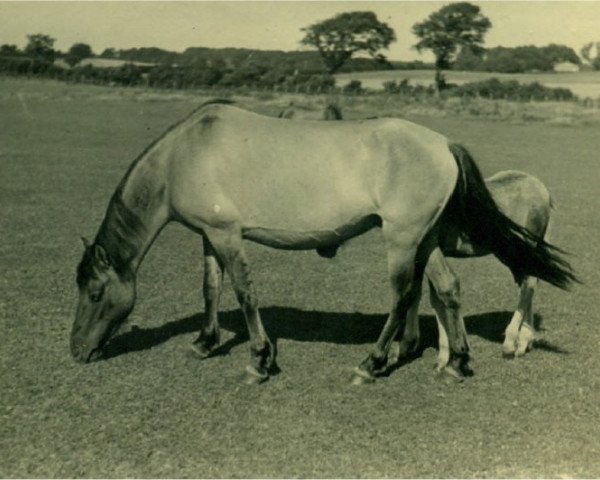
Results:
[522, 197]
[305, 175]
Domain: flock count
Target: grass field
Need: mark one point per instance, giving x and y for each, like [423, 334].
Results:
[582, 84]
[152, 410]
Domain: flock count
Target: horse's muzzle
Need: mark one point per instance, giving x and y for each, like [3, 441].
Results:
[83, 353]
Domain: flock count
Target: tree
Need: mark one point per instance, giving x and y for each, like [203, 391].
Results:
[78, 52]
[454, 26]
[40, 47]
[560, 53]
[340, 37]
[109, 53]
[9, 51]
[591, 53]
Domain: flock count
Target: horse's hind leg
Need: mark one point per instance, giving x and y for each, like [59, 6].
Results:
[409, 343]
[229, 248]
[406, 277]
[520, 332]
[209, 337]
[444, 290]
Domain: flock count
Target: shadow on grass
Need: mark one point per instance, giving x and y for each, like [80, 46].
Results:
[309, 326]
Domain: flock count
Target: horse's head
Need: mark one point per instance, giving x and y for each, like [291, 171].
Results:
[106, 297]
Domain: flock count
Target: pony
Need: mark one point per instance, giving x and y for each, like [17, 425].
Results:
[233, 175]
[331, 112]
[525, 200]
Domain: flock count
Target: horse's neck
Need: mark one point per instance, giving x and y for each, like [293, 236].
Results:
[136, 214]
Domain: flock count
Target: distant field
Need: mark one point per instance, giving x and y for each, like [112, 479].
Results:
[153, 411]
[583, 84]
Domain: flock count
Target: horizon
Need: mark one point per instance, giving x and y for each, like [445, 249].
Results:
[276, 25]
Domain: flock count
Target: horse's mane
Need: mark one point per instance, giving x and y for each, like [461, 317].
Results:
[119, 218]
[114, 235]
[214, 101]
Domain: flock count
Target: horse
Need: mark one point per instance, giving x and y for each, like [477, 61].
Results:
[331, 112]
[525, 200]
[233, 175]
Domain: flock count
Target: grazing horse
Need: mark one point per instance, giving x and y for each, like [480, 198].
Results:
[230, 174]
[331, 112]
[526, 201]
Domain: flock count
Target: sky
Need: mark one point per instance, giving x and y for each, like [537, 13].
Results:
[275, 25]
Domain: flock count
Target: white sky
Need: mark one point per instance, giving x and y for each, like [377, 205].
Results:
[276, 25]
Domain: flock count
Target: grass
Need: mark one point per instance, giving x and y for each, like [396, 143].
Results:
[583, 84]
[151, 410]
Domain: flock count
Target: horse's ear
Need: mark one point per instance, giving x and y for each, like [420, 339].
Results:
[101, 256]
[86, 243]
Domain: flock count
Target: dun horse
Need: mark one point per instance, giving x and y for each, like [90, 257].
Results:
[230, 174]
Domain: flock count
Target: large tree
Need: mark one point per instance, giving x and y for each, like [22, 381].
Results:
[78, 52]
[339, 37]
[445, 32]
[40, 47]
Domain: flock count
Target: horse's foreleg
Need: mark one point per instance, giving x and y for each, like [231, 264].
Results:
[445, 299]
[229, 248]
[520, 332]
[209, 337]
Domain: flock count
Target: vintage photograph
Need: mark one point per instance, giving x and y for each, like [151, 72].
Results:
[299, 239]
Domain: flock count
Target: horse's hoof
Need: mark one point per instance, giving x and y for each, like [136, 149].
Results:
[525, 340]
[361, 377]
[253, 377]
[201, 351]
[394, 354]
[509, 350]
[522, 350]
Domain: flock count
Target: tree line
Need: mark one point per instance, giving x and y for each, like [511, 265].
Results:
[454, 34]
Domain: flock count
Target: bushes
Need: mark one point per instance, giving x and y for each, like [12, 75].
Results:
[354, 87]
[25, 66]
[259, 77]
[511, 90]
[492, 88]
[404, 88]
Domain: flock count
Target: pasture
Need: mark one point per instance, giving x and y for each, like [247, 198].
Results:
[582, 84]
[153, 410]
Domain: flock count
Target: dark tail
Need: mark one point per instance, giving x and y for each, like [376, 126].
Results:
[474, 211]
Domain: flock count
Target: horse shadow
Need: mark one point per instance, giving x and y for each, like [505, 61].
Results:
[310, 326]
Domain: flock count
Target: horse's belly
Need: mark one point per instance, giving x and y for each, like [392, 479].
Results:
[309, 239]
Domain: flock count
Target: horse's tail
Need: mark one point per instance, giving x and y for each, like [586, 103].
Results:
[474, 211]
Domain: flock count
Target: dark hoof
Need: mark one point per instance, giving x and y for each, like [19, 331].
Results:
[361, 377]
[253, 377]
[508, 355]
